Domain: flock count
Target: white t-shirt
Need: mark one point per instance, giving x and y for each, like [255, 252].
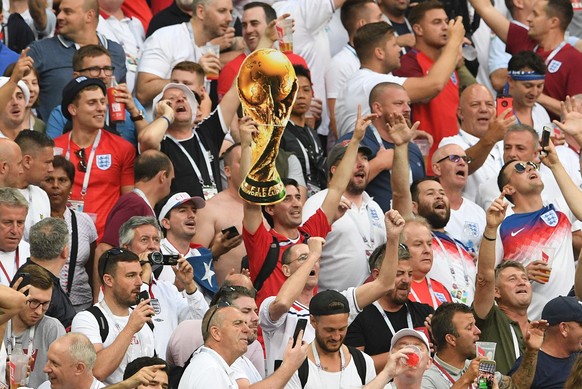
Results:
[467, 225]
[311, 42]
[129, 33]
[342, 66]
[357, 92]
[348, 378]
[207, 369]
[353, 237]
[11, 261]
[276, 334]
[39, 206]
[142, 343]
[165, 48]
[244, 368]
[94, 385]
[490, 167]
[3, 357]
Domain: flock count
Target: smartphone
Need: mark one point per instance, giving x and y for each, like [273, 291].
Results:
[301, 324]
[486, 374]
[503, 103]
[143, 295]
[230, 232]
[25, 281]
[546, 137]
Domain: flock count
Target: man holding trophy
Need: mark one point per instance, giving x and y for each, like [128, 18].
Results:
[267, 89]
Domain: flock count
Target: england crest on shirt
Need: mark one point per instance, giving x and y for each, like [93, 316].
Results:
[103, 161]
[554, 66]
[550, 218]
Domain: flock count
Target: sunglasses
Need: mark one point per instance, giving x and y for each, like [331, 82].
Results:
[521, 167]
[108, 254]
[456, 158]
[82, 165]
[220, 304]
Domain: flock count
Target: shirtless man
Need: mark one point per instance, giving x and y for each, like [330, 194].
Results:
[223, 211]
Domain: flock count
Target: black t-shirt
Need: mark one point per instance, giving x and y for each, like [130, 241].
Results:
[211, 135]
[293, 138]
[167, 17]
[370, 330]
[551, 372]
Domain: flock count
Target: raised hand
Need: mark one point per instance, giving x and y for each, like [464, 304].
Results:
[394, 223]
[571, 119]
[496, 211]
[362, 123]
[164, 108]
[23, 66]
[315, 244]
[247, 128]
[399, 130]
[139, 316]
[534, 335]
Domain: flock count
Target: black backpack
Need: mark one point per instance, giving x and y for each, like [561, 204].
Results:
[104, 325]
[270, 261]
[357, 356]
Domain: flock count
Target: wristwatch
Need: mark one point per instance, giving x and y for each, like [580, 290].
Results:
[138, 117]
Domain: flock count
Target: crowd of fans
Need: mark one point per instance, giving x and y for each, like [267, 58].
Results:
[433, 201]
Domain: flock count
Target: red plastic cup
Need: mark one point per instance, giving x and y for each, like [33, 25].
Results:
[116, 110]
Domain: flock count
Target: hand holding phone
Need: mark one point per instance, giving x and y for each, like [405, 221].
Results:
[301, 325]
[486, 374]
[545, 137]
[230, 232]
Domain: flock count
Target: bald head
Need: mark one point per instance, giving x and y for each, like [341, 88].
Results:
[238, 279]
[476, 110]
[445, 151]
[451, 165]
[10, 164]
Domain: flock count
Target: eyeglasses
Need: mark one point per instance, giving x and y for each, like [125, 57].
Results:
[521, 167]
[403, 251]
[34, 304]
[220, 304]
[95, 71]
[82, 165]
[456, 158]
[106, 255]
[301, 259]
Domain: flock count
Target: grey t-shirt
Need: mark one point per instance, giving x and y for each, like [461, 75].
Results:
[48, 329]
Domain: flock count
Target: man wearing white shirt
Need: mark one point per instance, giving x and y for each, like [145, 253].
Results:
[178, 218]
[354, 15]
[480, 136]
[467, 222]
[353, 237]
[172, 44]
[37, 162]
[70, 362]
[128, 336]
[379, 55]
[141, 235]
[13, 249]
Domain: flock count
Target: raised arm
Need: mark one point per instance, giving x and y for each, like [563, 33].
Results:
[485, 280]
[534, 337]
[294, 285]
[11, 301]
[369, 292]
[343, 173]
[495, 132]
[151, 136]
[425, 88]
[253, 217]
[494, 19]
[401, 135]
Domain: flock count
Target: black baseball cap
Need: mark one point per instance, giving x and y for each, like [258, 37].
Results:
[329, 302]
[72, 89]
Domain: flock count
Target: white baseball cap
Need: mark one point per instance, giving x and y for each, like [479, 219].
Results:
[179, 199]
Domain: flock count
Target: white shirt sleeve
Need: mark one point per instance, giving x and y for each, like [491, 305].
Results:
[85, 323]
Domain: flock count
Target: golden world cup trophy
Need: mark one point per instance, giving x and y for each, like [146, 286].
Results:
[267, 87]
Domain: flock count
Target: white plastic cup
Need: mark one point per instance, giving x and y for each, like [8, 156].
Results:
[486, 349]
[285, 32]
[469, 52]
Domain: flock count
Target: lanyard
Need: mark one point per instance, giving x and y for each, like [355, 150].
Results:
[318, 362]
[89, 162]
[369, 243]
[192, 162]
[304, 149]
[553, 53]
[450, 264]
[140, 193]
[16, 262]
[443, 372]
[390, 326]
[430, 292]
[12, 339]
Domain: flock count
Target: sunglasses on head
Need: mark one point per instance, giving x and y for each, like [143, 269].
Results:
[521, 167]
[456, 158]
[220, 304]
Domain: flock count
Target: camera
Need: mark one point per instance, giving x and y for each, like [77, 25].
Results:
[157, 258]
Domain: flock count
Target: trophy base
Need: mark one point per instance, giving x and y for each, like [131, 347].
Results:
[262, 193]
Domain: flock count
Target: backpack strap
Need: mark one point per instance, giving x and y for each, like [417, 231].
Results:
[269, 265]
[360, 362]
[303, 372]
[101, 321]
